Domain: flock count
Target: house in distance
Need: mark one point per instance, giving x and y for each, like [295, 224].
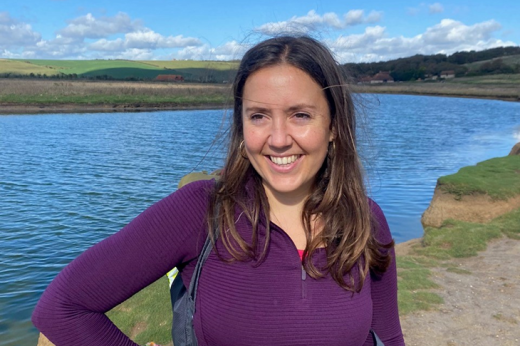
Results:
[169, 78]
[382, 77]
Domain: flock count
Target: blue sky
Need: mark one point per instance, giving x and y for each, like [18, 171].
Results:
[356, 31]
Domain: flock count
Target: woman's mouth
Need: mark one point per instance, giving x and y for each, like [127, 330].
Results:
[284, 160]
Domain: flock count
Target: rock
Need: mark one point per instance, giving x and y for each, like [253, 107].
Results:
[477, 208]
[191, 177]
[43, 341]
[516, 149]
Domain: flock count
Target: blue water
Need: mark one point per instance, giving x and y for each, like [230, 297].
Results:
[69, 180]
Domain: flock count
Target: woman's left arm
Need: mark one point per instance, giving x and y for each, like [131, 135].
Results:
[72, 309]
[385, 317]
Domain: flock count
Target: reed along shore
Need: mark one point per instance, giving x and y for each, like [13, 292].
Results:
[54, 95]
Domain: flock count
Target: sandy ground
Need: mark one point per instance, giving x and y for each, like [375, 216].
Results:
[482, 307]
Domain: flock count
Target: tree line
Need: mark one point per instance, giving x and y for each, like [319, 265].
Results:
[424, 66]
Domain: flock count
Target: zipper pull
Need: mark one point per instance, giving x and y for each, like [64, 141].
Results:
[304, 274]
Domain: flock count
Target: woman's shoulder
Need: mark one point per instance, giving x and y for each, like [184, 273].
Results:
[193, 193]
[197, 188]
[380, 225]
[186, 206]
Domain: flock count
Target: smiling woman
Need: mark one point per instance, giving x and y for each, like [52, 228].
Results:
[301, 254]
[286, 130]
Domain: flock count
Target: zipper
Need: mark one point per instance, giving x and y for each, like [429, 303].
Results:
[294, 249]
[304, 284]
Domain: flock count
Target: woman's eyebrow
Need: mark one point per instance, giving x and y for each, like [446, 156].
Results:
[290, 109]
[256, 109]
[300, 107]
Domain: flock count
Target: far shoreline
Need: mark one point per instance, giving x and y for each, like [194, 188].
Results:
[19, 109]
[22, 109]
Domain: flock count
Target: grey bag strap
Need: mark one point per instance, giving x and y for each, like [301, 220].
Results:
[377, 341]
[204, 254]
[183, 301]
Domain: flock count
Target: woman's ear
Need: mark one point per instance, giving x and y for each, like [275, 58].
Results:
[332, 134]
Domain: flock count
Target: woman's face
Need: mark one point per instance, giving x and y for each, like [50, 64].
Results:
[286, 128]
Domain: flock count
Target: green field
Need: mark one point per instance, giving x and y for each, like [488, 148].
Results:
[24, 68]
[512, 80]
[192, 71]
[510, 60]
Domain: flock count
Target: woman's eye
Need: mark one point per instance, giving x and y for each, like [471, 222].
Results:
[302, 115]
[257, 116]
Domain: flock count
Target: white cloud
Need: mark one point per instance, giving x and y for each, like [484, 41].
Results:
[134, 54]
[435, 8]
[449, 32]
[447, 37]
[75, 40]
[229, 51]
[14, 33]
[104, 45]
[147, 38]
[374, 17]
[313, 21]
[119, 36]
[144, 39]
[88, 26]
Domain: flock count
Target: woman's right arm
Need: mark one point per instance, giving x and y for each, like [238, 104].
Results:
[72, 309]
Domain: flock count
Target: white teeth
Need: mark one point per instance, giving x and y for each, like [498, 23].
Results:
[286, 160]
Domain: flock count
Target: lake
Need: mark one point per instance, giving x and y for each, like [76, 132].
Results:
[70, 180]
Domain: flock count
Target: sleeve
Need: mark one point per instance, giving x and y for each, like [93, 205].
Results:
[385, 315]
[72, 309]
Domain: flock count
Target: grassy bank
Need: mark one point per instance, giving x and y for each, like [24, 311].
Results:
[498, 178]
[46, 93]
[501, 87]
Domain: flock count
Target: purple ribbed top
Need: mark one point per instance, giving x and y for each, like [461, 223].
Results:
[243, 303]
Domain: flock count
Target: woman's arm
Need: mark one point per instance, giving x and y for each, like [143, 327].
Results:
[72, 309]
[385, 318]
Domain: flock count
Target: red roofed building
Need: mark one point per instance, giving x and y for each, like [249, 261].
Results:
[382, 77]
[169, 78]
[448, 74]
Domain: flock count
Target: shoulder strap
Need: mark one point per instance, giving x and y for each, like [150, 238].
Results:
[204, 254]
[377, 341]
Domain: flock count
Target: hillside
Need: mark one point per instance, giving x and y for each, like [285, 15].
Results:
[503, 60]
[24, 68]
[192, 71]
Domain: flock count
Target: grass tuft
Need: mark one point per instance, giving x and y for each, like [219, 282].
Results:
[509, 224]
[457, 239]
[499, 178]
[410, 301]
[147, 316]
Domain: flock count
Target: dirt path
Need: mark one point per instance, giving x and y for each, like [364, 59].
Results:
[481, 302]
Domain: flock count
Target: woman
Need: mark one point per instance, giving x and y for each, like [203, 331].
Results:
[303, 256]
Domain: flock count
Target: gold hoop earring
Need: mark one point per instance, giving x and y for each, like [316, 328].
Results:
[242, 150]
[332, 149]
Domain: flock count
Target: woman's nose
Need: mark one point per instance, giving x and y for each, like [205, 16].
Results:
[280, 136]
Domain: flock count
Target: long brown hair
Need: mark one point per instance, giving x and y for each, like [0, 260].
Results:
[338, 196]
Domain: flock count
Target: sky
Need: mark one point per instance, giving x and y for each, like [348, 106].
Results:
[356, 31]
